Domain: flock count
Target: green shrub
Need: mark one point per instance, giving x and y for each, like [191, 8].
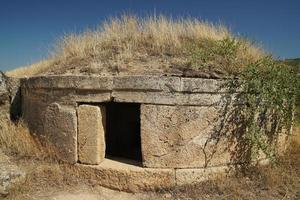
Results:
[220, 55]
[268, 94]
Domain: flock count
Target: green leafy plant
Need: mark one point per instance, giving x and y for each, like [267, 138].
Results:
[214, 54]
[267, 95]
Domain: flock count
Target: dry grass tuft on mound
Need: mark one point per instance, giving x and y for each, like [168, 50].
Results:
[17, 141]
[153, 45]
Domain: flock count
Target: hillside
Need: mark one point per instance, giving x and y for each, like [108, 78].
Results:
[153, 45]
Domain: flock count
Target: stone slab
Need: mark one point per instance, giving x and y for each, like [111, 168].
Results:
[127, 177]
[144, 97]
[60, 130]
[33, 111]
[138, 89]
[149, 83]
[91, 132]
[10, 174]
[69, 82]
[3, 87]
[181, 137]
[4, 97]
[91, 96]
[117, 83]
[167, 98]
[193, 176]
[199, 85]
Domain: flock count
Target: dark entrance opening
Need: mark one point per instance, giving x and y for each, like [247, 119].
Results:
[122, 137]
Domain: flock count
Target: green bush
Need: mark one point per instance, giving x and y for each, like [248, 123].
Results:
[213, 55]
[268, 94]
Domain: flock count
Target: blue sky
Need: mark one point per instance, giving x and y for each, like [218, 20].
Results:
[29, 28]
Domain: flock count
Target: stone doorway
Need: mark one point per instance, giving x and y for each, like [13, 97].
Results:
[123, 131]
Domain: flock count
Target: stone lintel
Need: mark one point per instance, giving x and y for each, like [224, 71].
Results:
[200, 85]
[147, 83]
[133, 83]
[69, 82]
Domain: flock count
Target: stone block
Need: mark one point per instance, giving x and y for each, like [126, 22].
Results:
[181, 137]
[10, 174]
[199, 85]
[192, 176]
[144, 97]
[3, 87]
[198, 99]
[167, 98]
[33, 112]
[60, 130]
[127, 177]
[149, 83]
[69, 82]
[4, 97]
[84, 96]
[91, 134]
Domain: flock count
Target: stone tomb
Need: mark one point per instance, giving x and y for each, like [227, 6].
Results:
[133, 132]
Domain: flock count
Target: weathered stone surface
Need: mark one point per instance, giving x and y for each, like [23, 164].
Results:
[199, 99]
[91, 96]
[139, 89]
[69, 82]
[67, 97]
[148, 83]
[126, 177]
[60, 130]
[91, 131]
[167, 98]
[181, 137]
[192, 176]
[198, 85]
[145, 97]
[13, 87]
[9, 175]
[4, 96]
[3, 88]
[33, 114]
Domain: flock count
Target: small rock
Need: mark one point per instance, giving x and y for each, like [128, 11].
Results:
[3, 89]
[9, 174]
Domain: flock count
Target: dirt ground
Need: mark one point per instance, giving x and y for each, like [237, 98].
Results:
[47, 180]
[56, 183]
[98, 193]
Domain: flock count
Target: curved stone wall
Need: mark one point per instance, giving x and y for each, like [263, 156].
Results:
[180, 120]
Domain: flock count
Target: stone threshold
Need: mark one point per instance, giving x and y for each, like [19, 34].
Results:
[127, 176]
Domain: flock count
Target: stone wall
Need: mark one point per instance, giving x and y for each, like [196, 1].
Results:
[185, 128]
[182, 137]
[178, 116]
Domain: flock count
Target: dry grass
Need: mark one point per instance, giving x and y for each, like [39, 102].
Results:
[146, 46]
[265, 182]
[16, 140]
[281, 181]
[34, 69]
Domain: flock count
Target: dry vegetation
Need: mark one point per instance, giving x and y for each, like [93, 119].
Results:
[148, 46]
[17, 141]
[153, 45]
[281, 181]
